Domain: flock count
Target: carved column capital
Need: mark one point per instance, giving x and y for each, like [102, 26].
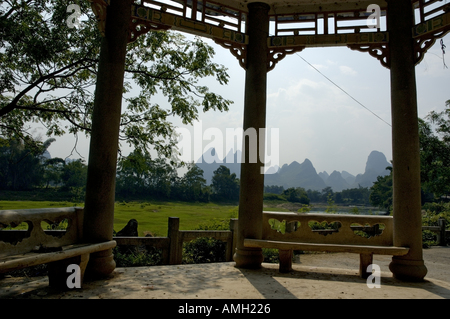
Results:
[238, 50]
[276, 55]
[380, 51]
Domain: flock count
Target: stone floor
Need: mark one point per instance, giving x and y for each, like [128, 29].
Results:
[315, 276]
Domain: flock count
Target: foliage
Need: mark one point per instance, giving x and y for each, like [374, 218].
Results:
[434, 139]
[204, 250]
[305, 209]
[137, 257]
[435, 152]
[274, 189]
[271, 197]
[224, 185]
[296, 195]
[431, 214]
[74, 174]
[21, 166]
[271, 255]
[139, 175]
[381, 194]
[434, 211]
[353, 196]
[192, 186]
[49, 70]
[331, 206]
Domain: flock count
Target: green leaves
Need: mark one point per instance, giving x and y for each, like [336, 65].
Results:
[48, 74]
[225, 186]
[434, 139]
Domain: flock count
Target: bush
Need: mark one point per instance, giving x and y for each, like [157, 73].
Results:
[204, 250]
[270, 255]
[430, 217]
[137, 257]
[270, 196]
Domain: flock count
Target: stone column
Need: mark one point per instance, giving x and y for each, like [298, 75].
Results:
[252, 180]
[405, 143]
[100, 187]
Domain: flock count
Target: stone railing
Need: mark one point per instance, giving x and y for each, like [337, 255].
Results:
[328, 228]
[35, 235]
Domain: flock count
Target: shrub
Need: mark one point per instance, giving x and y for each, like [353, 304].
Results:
[204, 250]
[137, 257]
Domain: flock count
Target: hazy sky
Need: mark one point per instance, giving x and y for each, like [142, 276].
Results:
[316, 120]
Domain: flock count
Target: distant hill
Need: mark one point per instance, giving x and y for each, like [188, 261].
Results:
[337, 182]
[375, 166]
[296, 175]
[209, 162]
[304, 174]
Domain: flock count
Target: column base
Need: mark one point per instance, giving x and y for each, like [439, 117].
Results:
[408, 270]
[101, 264]
[248, 258]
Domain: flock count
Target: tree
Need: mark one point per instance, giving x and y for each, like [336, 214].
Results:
[74, 174]
[326, 193]
[296, 195]
[314, 196]
[435, 152]
[20, 166]
[273, 189]
[138, 175]
[48, 74]
[381, 192]
[354, 196]
[53, 170]
[194, 185]
[225, 186]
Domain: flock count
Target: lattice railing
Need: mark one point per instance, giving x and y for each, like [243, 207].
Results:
[326, 23]
[429, 9]
[201, 11]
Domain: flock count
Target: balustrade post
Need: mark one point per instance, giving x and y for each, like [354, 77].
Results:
[441, 238]
[231, 244]
[176, 246]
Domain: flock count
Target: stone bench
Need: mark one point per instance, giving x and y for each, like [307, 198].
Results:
[56, 247]
[294, 231]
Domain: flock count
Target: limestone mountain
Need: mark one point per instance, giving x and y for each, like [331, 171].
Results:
[337, 182]
[298, 174]
[375, 166]
[349, 178]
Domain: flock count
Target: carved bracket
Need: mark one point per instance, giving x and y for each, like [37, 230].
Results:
[239, 50]
[425, 34]
[424, 42]
[276, 55]
[380, 51]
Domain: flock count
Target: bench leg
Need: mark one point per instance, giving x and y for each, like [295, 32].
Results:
[285, 257]
[364, 261]
[58, 271]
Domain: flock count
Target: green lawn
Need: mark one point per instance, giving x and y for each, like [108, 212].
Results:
[151, 216]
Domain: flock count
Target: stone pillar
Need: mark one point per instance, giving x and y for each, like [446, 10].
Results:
[100, 187]
[405, 143]
[252, 179]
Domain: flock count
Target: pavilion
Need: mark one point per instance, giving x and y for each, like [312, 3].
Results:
[260, 34]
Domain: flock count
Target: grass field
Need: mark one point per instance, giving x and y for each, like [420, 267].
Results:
[151, 216]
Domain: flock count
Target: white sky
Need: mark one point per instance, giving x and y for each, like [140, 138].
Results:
[315, 119]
